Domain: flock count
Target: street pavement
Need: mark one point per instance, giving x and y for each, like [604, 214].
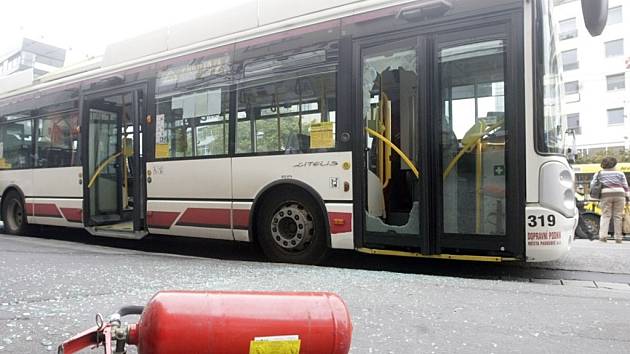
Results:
[51, 287]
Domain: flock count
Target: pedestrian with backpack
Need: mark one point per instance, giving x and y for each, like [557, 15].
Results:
[611, 188]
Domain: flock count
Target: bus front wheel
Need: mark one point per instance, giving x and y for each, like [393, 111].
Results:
[291, 228]
[13, 214]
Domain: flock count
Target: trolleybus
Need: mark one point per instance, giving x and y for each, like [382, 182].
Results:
[412, 128]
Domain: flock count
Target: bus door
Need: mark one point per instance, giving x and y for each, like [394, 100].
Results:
[437, 148]
[112, 164]
[392, 179]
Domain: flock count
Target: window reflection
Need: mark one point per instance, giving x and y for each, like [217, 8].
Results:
[194, 124]
[193, 73]
[473, 138]
[551, 125]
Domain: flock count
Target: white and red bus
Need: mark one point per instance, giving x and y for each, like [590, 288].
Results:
[413, 128]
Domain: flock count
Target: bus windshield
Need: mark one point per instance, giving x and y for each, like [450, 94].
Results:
[551, 127]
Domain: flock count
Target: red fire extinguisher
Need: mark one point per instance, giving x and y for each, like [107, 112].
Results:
[225, 323]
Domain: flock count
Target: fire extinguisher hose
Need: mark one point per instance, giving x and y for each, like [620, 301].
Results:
[130, 310]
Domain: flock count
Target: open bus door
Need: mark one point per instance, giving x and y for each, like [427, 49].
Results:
[113, 172]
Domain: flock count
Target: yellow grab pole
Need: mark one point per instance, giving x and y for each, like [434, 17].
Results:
[454, 161]
[467, 148]
[380, 126]
[100, 168]
[478, 185]
[395, 148]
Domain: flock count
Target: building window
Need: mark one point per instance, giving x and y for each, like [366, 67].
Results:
[614, 48]
[615, 15]
[572, 88]
[193, 124]
[58, 140]
[615, 116]
[616, 82]
[568, 29]
[28, 59]
[294, 115]
[573, 123]
[570, 60]
[572, 91]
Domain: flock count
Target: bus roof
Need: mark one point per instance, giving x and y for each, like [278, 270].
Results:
[254, 19]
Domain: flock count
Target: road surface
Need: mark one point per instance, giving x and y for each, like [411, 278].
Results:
[51, 286]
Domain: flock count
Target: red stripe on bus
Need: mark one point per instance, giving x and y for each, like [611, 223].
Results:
[340, 222]
[29, 208]
[241, 218]
[46, 209]
[205, 217]
[73, 214]
[161, 219]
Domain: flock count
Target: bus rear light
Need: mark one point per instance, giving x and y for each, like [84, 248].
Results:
[346, 186]
[339, 221]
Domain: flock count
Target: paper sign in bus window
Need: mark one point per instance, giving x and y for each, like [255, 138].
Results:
[161, 151]
[322, 135]
[160, 132]
[161, 138]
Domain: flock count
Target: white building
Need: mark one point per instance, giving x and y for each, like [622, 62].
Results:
[597, 86]
[26, 61]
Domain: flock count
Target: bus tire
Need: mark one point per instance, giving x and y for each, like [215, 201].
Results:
[580, 233]
[13, 214]
[291, 227]
[589, 225]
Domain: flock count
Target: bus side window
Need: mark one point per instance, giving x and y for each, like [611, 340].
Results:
[57, 140]
[193, 124]
[16, 144]
[291, 116]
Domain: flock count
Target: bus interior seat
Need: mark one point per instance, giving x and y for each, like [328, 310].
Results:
[297, 143]
[376, 199]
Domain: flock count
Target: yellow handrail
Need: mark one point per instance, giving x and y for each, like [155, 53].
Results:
[100, 168]
[385, 129]
[478, 184]
[395, 148]
[467, 148]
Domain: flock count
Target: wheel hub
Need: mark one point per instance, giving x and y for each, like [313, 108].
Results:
[292, 227]
[15, 215]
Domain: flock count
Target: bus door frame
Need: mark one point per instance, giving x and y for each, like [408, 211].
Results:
[432, 240]
[361, 47]
[503, 26]
[140, 104]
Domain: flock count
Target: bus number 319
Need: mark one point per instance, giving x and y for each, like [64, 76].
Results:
[534, 220]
